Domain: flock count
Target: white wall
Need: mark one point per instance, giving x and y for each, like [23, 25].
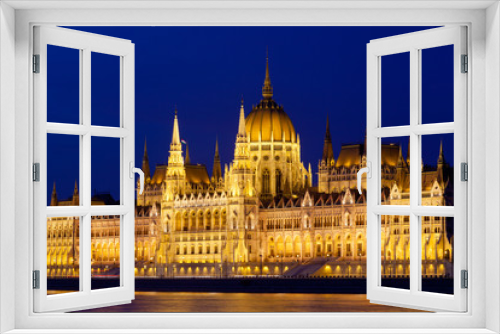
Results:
[485, 151]
[492, 166]
[7, 160]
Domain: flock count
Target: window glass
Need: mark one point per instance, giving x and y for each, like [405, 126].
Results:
[437, 254]
[395, 171]
[395, 89]
[106, 167]
[63, 170]
[437, 84]
[63, 263]
[437, 169]
[395, 251]
[63, 85]
[105, 89]
[105, 251]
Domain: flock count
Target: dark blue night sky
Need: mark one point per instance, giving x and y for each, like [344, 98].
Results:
[205, 71]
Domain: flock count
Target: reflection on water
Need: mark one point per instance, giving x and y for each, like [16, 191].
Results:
[248, 302]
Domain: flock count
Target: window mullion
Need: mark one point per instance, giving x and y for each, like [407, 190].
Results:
[85, 254]
[85, 167]
[415, 173]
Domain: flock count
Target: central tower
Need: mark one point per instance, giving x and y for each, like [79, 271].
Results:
[274, 148]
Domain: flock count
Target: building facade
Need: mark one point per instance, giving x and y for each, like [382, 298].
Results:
[261, 214]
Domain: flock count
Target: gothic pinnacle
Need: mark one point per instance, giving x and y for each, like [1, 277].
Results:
[267, 89]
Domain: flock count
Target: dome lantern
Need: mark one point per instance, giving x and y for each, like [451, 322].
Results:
[268, 122]
[267, 89]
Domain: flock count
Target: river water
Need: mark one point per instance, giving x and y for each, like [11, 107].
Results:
[248, 302]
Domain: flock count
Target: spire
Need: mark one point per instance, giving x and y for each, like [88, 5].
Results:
[187, 160]
[216, 170]
[145, 161]
[175, 158]
[441, 155]
[327, 146]
[241, 124]
[267, 89]
[310, 175]
[76, 195]
[440, 165]
[400, 156]
[53, 198]
[176, 139]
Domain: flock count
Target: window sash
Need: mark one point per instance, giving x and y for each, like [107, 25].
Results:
[413, 43]
[86, 43]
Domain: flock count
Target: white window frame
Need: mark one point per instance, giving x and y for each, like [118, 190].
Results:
[483, 20]
[414, 43]
[85, 43]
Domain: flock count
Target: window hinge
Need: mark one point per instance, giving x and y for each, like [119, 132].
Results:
[36, 172]
[36, 63]
[465, 279]
[465, 64]
[464, 171]
[36, 279]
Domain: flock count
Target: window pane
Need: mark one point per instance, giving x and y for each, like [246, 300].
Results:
[105, 89]
[437, 254]
[395, 251]
[63, 255]
[437, 172]
[105, 248]
[63, 85]
[63, 170]
[395, 171]
[437, 84]
[105, 171]
[395, 89]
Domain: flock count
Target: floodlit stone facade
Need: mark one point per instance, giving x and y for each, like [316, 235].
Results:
[262, 215]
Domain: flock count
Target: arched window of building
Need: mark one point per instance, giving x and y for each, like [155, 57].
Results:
[216, 220]
[208, 221]
[278, 181]
[185, 222]
[199, 224]
[270, 245]
[192, 221]
[178, 221]
[224, 219]
[265, 182]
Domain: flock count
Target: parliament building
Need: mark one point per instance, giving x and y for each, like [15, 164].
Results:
[263, 215]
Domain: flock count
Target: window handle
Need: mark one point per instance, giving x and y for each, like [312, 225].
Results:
[139, 171]
[368, 171]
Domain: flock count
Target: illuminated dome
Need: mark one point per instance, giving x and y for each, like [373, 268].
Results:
[268, 118]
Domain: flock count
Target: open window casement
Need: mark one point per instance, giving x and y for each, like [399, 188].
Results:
[79, 213]
[419, 210]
